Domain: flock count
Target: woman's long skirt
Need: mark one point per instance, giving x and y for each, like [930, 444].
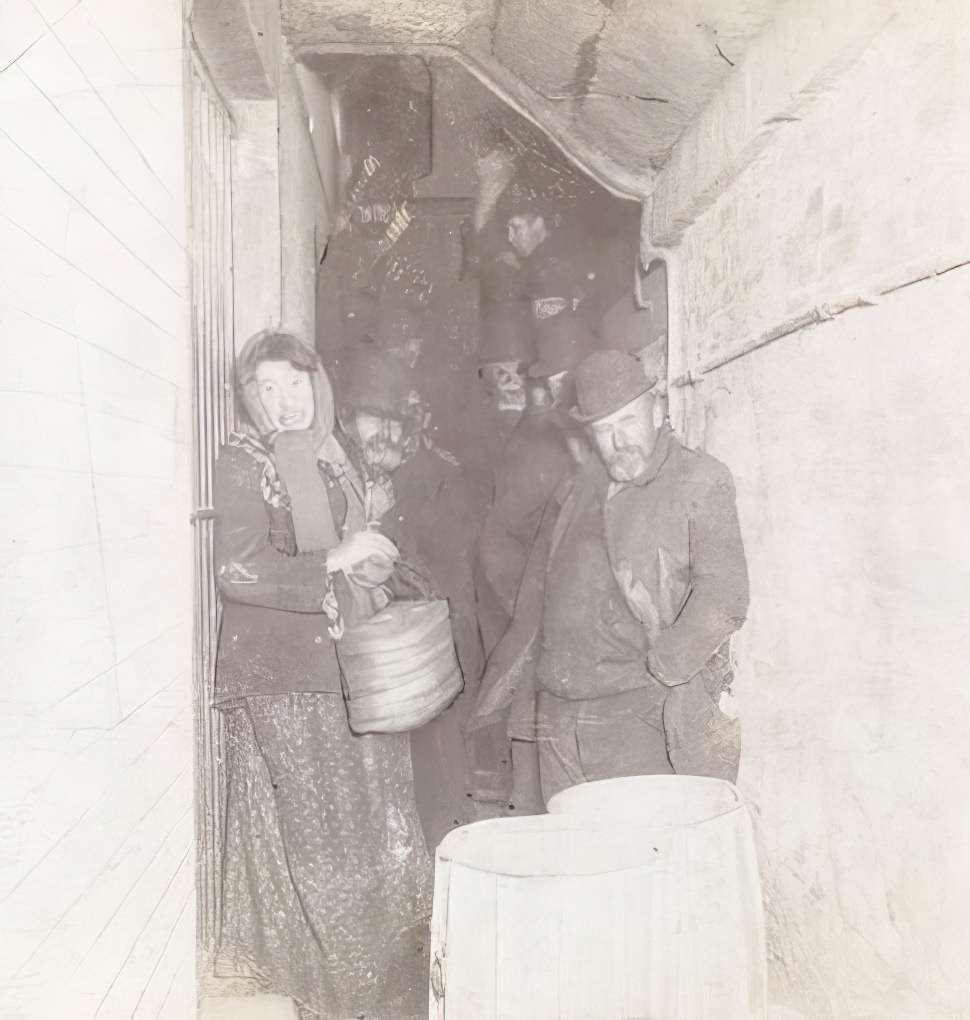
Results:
[327, 880]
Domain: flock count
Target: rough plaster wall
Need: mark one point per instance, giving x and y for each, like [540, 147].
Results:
[613, 83]
[864, 195]
[633, 74]
[303, 209]
[280, 213]
[849, 444]
[264, 22]
[256, 252]
[458, 102]
[96, 862]
[279, 207]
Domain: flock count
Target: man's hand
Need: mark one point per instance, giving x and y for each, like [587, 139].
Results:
[639, 600]
[366, 557]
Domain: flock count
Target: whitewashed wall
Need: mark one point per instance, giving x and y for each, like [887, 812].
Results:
[849, 441]
[257, 281]
[280, 213]
[96, 843]
[305, 218]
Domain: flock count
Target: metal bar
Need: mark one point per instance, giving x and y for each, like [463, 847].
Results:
[229, 337]
[209, 189]
[813, 317]
[206, 454]
[215, 396]
[204, 876]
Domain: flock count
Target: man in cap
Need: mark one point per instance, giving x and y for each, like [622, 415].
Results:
[528, 296]
[433, 515]
[643, 581]
[551, 279]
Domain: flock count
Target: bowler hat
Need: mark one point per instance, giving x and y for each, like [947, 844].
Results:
[605, 382]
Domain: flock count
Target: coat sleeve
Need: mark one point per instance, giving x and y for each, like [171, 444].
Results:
[533, 471]
[718, 600]
[510, 673]
[457, 523]
[248, 568]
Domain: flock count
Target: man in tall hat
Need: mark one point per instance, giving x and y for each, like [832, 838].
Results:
[536, 460]
[643, 580]
[542, 453]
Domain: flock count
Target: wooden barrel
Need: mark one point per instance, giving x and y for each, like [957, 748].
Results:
[599, 913]
[400, 669]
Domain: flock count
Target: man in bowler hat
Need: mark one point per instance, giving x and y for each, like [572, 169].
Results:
[643, 581]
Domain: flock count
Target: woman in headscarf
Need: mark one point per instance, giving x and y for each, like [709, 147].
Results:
[326, 884]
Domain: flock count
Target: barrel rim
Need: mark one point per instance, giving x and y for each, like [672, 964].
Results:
[618, 822]
[562, 825]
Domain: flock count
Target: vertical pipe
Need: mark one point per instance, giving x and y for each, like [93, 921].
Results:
[209, 171]
[215, 396]
[203, 861]
[210, 282]
[218, 282]
[205, 483]
[226, 352]
[210, 249]
[229, 339]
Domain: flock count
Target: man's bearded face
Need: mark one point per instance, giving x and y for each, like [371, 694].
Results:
[504, 383]
[381, 439]
[626, 439]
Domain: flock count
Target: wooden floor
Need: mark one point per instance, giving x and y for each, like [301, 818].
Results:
[253, 1007]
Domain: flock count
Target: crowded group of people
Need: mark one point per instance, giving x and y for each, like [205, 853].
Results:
[593, 586]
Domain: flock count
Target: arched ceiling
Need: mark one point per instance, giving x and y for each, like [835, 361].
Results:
[614, 81]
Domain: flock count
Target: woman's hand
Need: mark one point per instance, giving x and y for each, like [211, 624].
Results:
[366, 557]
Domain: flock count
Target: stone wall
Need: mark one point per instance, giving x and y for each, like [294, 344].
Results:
[828, 365]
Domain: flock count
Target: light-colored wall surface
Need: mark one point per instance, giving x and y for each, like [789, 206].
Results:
[96, 858]
[280, 215]
[305, 220]
[849, 443]
[255, 218]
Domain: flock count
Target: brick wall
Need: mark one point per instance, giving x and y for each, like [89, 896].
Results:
[96, 846]
[849, 443]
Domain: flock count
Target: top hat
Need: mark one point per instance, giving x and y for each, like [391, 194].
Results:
[562, 342]
[506, 334]
[607, 381]
[375, 382]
